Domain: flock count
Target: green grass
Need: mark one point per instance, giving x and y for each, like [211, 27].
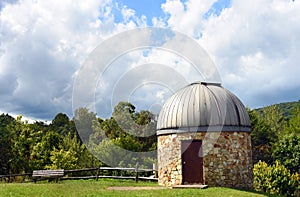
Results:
[99, 188]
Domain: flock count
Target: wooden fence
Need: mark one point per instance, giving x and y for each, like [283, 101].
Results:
[94, 173]
[12, 177]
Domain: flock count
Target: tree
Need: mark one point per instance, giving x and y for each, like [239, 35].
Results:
[123, 114]
[79, 150]
[62, 159]
[24, 138]
[6, 143]
[126, 130]
[123, 108]
[293, 125]
[108, 128]
[267, 127]
[61, 124]
[287, 151]
[41, 152]
[83, 120]
[136, 130]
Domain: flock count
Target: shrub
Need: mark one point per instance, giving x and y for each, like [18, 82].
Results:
[275, 179]
[62, 159]
[287, 151]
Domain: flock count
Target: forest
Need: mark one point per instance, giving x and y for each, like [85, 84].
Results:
[276, 148]
[62, 144]
[28, 146]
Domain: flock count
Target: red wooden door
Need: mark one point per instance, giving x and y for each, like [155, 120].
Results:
[192, 162]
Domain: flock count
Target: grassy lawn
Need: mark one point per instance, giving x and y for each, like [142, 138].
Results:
[99, 188]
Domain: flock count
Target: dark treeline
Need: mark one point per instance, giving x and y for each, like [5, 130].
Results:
[63, 143]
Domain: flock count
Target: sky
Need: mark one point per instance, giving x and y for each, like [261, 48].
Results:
[45, 44]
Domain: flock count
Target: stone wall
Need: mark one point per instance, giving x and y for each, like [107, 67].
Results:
[227, 158]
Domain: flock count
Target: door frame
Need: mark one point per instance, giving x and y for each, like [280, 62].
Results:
[185, 145]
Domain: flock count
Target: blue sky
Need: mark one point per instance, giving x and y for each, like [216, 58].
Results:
[253, 43]
[152, 8]
[148, 8]
[217, 8]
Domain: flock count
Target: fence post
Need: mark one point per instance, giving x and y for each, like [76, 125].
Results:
[154, 170]
[137, 172]
[98, 171]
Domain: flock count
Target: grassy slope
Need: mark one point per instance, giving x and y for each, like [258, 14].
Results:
[93, 188]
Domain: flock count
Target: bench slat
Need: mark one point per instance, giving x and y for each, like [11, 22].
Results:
[41, 172]
[47, 174]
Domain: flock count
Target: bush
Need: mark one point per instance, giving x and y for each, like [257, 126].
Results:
[287, 151]
[275, 179]
[62, 159]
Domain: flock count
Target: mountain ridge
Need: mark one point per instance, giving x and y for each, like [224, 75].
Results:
[286, 108]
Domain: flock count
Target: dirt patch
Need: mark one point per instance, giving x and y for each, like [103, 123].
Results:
[135, 188]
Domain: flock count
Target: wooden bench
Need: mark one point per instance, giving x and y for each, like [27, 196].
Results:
[47, 174]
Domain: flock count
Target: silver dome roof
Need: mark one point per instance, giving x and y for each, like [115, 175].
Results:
[200, 107]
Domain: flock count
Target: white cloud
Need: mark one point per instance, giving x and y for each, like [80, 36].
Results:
[187, 16]
[254, 44]
[139, 76]
[160, 95]
[43, 43]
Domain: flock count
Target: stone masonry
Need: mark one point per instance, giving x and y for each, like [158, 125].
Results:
[227, 158]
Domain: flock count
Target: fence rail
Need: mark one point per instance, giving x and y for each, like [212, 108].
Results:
[98, 174]
[11, 177]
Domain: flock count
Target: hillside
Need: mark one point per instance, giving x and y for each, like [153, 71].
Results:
[287, 108]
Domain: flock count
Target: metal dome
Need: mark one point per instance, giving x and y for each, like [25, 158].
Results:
[200, 107]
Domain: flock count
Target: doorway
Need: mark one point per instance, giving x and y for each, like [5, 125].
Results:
[192, 162]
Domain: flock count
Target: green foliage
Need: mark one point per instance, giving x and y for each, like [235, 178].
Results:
[41, 151]
[123, 108]
[267, 128]
[62, 125]
[62, 159]
[107, 151]
[83, 157]
[287, 151]
[275, 179]
[124, 134]
[293, 125]
[275, 140]
[24, 139]
[6, 143]
[28, 146]
[287, 108]
[261, 173]
[84, 119]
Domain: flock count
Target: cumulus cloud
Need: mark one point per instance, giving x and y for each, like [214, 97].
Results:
[136, 68]
[5, 2]
[187, 16]
[254, 44]
[43, 44]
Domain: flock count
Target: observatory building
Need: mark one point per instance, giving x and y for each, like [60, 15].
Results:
[204, 138]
